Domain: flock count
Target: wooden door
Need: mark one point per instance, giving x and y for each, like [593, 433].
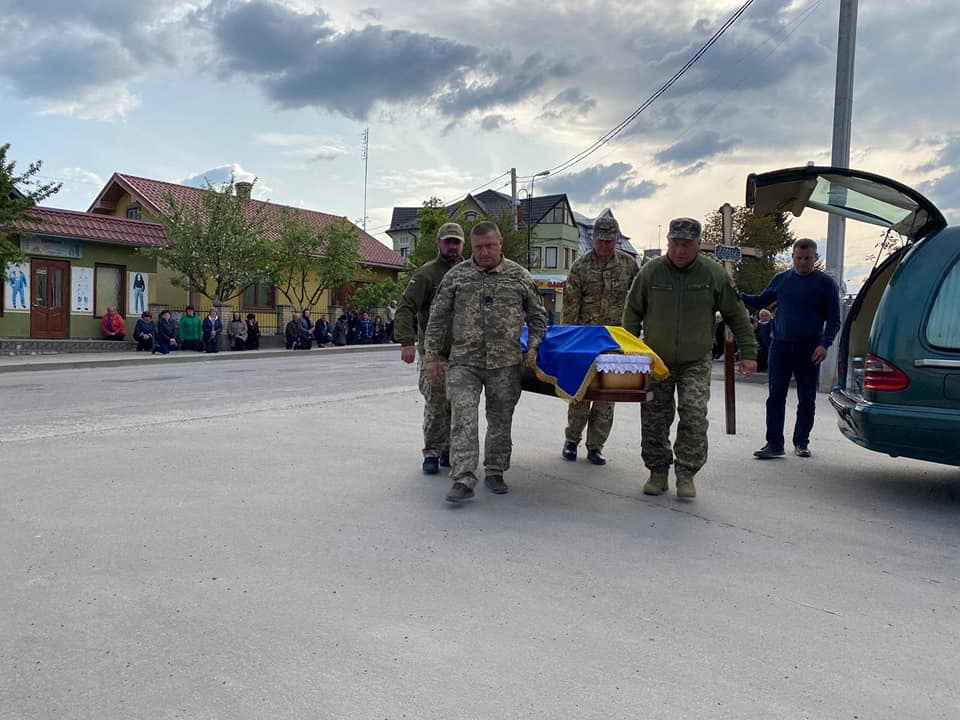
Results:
[49, 309]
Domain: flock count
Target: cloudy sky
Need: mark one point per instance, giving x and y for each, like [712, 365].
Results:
[455, 94]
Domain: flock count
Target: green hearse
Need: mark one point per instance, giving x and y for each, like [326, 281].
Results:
[898, 375]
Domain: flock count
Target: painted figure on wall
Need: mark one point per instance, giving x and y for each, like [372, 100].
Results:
[139, 292]
[18, 287]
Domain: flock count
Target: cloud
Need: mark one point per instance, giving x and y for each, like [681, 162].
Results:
[299, 59]
[944, 189]
[603, 184]
[571, 101]
[308, 148]
[220, 175]
[493, 122]
[696, 149]
[80, 58]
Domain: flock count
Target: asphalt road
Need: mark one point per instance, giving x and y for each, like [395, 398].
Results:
[253, 539]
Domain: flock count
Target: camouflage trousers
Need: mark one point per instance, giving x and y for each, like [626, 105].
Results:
[597, 417]
[501, 388]
[691, 383]
[436, 415]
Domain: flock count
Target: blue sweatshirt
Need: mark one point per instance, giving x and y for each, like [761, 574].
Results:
[808, 306]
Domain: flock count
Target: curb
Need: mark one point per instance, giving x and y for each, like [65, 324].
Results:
[67, 364]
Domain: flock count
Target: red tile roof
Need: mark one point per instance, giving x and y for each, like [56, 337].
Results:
[99, 228]
[154, 193]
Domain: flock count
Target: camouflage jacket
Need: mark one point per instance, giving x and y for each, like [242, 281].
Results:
[413, 310]
[596, 291]
[482, 312]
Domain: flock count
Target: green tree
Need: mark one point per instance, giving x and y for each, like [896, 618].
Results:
[307, 260]
[771, 234]
[18, 194]
[219, 247]
[378, 295]
[433, 214]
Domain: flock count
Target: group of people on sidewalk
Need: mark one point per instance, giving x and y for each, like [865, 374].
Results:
[187, 332]
[353, 327]
[464, 320]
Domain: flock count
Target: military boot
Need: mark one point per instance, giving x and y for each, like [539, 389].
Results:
[657, 484]
[686, 490]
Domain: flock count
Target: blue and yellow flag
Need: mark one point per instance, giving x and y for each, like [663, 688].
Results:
[566, 355]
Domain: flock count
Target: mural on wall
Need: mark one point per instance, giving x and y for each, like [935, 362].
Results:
[16, 287]
[137, 302]
[82, 289]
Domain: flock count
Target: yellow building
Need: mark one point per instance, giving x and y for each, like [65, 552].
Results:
[132, 197]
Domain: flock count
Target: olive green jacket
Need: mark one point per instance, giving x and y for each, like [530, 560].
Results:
[413, 310]
[676, 309]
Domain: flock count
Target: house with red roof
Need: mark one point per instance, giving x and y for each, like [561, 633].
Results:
[139, 198]
[77, 264]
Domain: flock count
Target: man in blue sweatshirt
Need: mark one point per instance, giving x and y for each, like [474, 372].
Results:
[806, 323]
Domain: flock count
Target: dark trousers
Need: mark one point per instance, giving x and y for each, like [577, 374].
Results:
[211, 344]
[785, 360]
[144, 343]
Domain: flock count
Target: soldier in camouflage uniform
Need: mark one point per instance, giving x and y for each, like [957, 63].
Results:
[595, 294]
[481, 307]
[674, 299]
[414, 308]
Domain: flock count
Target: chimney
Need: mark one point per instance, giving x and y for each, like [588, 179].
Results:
[243, 189]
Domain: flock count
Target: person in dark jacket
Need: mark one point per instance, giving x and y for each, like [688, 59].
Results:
[306, 330]
[291, 332]
[212, 329]
[145, 332]
[253, 332]
[379, 330]
[365, 330]
[321, 331]
[341, 331]
[353, 326]
[166, 334]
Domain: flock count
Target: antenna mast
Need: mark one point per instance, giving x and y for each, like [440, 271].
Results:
[366, 157]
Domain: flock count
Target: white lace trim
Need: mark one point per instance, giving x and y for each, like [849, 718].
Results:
[613, 363]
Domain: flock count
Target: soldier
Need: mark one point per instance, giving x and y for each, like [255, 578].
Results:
[595, 294]
[480, 310]
[674, 299]
[415, 306]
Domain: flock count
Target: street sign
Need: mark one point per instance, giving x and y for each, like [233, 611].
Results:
[728, 253]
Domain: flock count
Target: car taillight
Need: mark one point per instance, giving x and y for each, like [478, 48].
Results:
[881, 376]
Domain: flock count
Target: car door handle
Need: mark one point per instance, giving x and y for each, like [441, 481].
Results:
[936, 363]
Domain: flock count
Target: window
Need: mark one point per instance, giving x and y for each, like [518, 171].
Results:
[535, 257]
[108, 288]
[469, 216]
[258, 295]
[567, 258]
[559, 215]
[404, 252]
[943, 327]
[133, 212]
[550, 257]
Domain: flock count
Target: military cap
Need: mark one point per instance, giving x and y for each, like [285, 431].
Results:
[606, 228]
[683, 229]
[450, 230]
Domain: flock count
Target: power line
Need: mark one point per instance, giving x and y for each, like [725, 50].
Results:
[621, 126]
[790, 29]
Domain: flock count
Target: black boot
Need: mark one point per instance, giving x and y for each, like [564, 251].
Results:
[596, 457]
[431, 466]
[569, 450]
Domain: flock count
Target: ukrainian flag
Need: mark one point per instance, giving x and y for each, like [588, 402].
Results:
[566, 355]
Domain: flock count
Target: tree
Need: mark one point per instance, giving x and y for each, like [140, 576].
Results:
[379, 295]
[307, 260]
[769, 233]
[18, 194]
[433, 214]
[219, 248]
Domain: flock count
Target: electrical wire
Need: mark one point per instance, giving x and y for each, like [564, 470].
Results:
[622, 125]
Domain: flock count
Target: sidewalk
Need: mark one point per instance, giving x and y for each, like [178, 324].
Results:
[73, 361]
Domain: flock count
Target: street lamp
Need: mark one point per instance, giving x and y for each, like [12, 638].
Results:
[530, 211]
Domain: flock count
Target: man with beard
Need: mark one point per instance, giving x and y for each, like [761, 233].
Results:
[415, 306]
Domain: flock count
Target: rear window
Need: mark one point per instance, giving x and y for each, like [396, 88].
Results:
[943, 327]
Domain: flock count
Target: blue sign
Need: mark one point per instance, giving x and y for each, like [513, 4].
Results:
[728, 253]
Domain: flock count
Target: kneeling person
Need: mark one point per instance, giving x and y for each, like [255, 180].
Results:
[481, 307]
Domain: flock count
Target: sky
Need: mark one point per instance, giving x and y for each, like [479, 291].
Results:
[455, 94]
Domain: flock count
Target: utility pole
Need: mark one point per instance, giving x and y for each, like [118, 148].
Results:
[729, 386]
[840, 157]
[366, 157]
[513, 196]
